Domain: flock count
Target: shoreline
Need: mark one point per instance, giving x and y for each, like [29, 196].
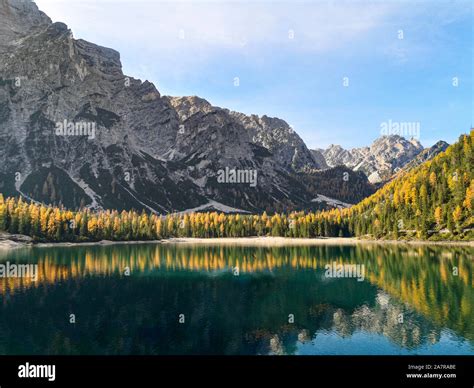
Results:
[290, 241]
[9, 244]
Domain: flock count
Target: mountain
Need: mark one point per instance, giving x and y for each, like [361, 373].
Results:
[423, 156]
[288, 150]
[385, 156]
[434, 199]
[281, 140]
[337, 187]
[19, 18]
[319, 158]
[78, 132]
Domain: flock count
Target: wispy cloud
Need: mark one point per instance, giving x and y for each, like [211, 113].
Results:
[203, 29]
[291, 56]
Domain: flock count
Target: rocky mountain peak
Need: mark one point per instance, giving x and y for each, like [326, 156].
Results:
[20, 18]
[58, 28]
[378, 161]
[141, 150]
[189, 105]
[277, 136]
[426, 154]
[395, 144]
[416, 142]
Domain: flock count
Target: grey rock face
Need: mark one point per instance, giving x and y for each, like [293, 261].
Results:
[281, 140]
[212, 139]
[386, 155]
[75, 130]
[425, 155]
[335, 155]
[19, 18]
[50, 78]
[319, 159]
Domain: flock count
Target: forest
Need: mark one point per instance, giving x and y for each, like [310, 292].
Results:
[433, 201]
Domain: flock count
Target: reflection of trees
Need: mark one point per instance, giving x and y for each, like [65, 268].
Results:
[424, 279]
[224, 314]
[227, 314]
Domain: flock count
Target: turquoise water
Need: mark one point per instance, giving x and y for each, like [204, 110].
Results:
[183, 299]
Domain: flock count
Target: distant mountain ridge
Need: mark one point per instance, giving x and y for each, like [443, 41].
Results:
[382, 159]
[433, 199]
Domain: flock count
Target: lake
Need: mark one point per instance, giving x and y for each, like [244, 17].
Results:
[233, 300]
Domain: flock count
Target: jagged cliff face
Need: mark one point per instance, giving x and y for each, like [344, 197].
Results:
[281, 140]
[289, 152]
[319, 158]
[75, 130]
[47, 78]
[423, 156]
[210, 139]
[19, 19]
[385, 156]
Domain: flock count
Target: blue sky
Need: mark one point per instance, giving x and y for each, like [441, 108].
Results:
[401, 59]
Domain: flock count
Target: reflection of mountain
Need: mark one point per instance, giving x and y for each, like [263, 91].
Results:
[225, 314]
[384, 319]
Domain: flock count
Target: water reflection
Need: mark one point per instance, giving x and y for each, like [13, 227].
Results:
[413, 300]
